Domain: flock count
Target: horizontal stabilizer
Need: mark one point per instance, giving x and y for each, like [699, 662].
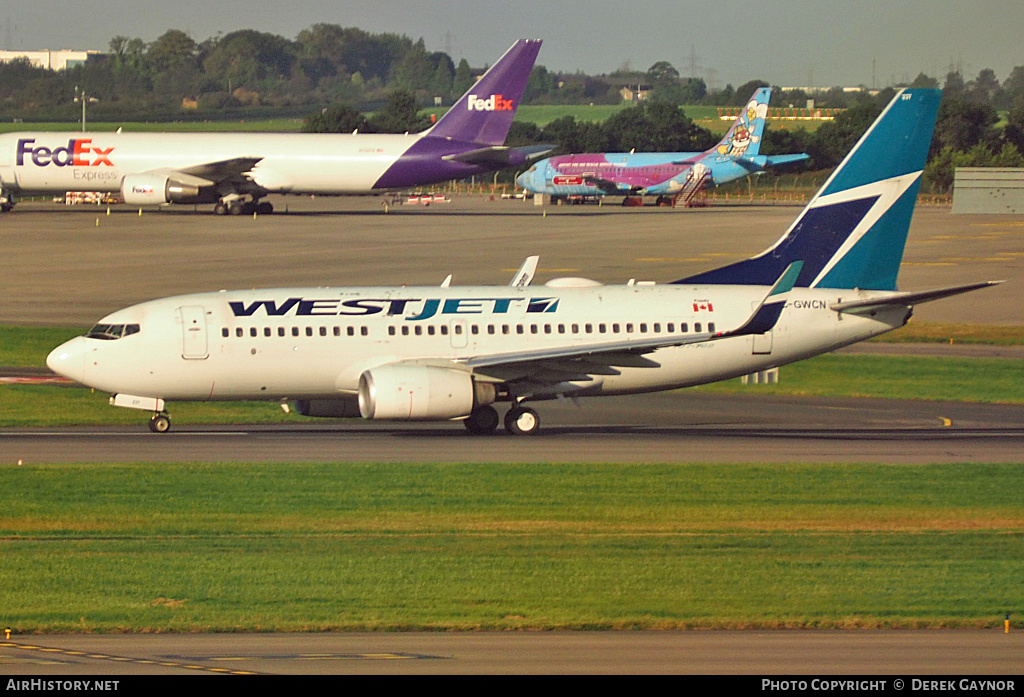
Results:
[905, 299]
[776, 160]
[497, 155]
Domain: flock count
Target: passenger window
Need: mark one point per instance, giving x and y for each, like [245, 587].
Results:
[295, 331]
[266, 331]
[323, 331]
[365, 331]
[280, 331]
[711, 327]
[224, 332]
[696, 327]
[252, 331]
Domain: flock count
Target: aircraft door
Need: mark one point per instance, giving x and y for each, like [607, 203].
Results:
[7, 179]
[762, 343]
[193, 329]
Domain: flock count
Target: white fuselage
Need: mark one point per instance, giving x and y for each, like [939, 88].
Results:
[316, 342]
[306, 163]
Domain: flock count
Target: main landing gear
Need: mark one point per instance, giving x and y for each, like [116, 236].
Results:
[239, 206]
[519, 421]
[160, 423]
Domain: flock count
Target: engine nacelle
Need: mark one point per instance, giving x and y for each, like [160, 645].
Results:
[328, 408]
[148, 189]
[416, 392]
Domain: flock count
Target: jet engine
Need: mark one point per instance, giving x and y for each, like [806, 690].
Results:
[147, 189]
[415, 392]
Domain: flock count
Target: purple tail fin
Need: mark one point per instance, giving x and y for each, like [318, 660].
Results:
[484, 114]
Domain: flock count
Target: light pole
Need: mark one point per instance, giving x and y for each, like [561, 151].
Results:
[81, 96]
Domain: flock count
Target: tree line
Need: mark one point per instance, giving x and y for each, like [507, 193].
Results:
[335, 76]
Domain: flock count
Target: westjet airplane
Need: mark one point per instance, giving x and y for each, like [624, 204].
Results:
[446, 353]
[236, 170]
[667, 175]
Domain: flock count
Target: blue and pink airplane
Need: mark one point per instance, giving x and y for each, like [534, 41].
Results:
[667, 175]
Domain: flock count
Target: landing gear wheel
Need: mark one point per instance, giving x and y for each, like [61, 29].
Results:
[160, 423]
[220, 208]
[522, 421]
[483, 421]
[264, 208]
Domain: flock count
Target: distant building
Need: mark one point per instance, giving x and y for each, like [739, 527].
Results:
[51, 60]
[988, 190]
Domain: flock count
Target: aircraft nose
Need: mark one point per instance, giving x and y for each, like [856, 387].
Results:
[523, 179]
[68, 359]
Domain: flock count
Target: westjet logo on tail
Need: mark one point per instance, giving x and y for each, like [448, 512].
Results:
[74, 155]
[495, 102]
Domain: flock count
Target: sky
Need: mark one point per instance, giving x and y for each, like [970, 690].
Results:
[790, 43]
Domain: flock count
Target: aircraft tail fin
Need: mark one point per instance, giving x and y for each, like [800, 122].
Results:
[853, 232]
[484, 114]
[743, 139]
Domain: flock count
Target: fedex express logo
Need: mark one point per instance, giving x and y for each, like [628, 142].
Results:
[495, 102]
[78, 153]
[412, 309]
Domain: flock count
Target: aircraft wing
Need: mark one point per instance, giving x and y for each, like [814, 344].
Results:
[233, 170]
[906, 299]
[559, 364]
[607, 185]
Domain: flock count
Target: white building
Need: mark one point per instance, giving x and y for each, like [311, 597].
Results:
[52, 60]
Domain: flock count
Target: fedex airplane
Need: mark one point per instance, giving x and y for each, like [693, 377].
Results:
[452, 353]
[667, 175]
[235, 171]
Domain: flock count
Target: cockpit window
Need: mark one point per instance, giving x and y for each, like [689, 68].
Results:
[109, 332]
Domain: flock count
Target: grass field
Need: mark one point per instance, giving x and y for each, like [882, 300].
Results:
[382, 547]
[315, 547]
